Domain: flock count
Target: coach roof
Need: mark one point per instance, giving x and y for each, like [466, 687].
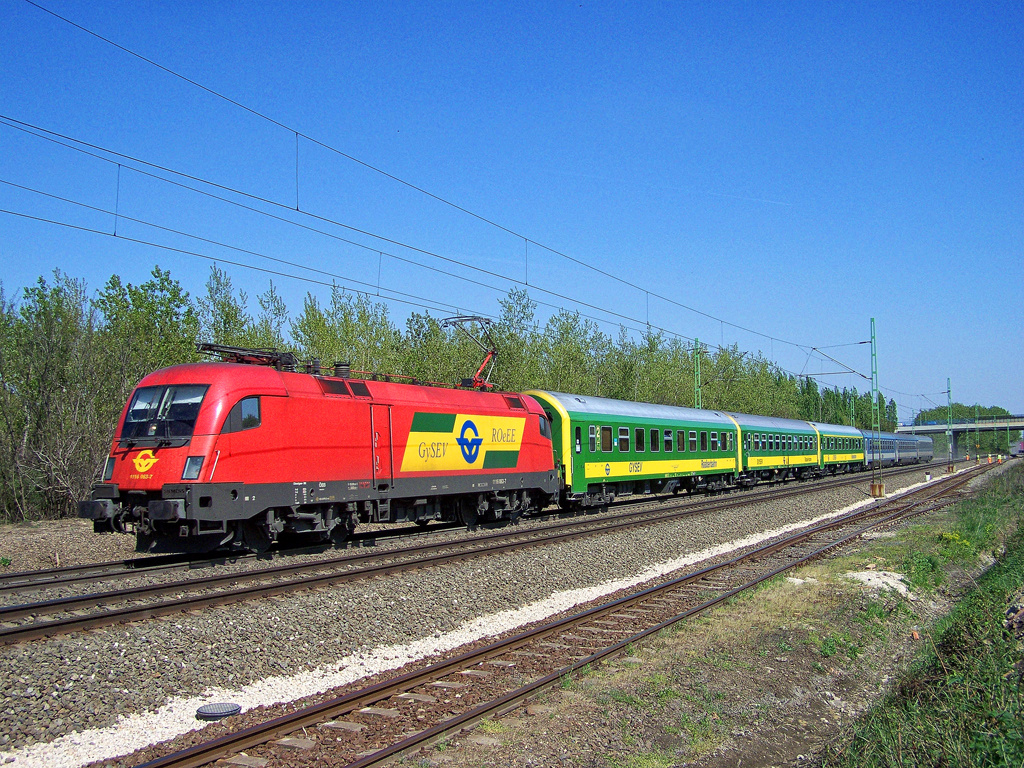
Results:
[605, 406]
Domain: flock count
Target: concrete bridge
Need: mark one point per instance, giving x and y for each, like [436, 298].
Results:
[982, 424]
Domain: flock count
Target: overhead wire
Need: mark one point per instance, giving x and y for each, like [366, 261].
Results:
[313, 269]
[399, 180]
[527, 240]
[31, 130]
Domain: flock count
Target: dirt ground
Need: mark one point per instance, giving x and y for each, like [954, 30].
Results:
[765, 680]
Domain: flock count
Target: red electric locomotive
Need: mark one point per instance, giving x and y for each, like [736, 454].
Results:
[238, 453]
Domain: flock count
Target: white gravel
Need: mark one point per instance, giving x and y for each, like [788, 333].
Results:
[881, 580]
[136, 730]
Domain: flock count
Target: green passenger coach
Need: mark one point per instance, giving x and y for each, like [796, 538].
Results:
[842, 448]
[608, 448]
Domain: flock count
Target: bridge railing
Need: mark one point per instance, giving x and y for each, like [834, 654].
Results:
[963, 422]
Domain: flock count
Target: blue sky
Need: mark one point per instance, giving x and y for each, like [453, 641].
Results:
[790, 168]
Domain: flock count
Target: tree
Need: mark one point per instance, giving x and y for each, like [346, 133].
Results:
[144, 328]
[52, 429]
[350, 329]
[223, 317]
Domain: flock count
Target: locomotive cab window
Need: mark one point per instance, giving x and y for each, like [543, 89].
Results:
[606, 439]
[639, 434]
[161, 412]
[544, 425]
[655, 440]
[624, 439]
[244, 415]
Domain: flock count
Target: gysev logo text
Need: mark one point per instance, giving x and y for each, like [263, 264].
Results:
[448, 441]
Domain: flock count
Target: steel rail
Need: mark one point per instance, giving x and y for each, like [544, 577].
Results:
[26, 581]
[424, 555]
[48, 578]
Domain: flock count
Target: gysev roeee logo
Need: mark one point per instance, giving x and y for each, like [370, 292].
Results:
[443, 442]
[145, 461]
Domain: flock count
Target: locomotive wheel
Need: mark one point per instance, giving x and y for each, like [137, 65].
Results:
[468, 514]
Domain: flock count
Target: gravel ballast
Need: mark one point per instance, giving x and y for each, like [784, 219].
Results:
[279, 649]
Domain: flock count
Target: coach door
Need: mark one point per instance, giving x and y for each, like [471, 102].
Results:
[380, 424]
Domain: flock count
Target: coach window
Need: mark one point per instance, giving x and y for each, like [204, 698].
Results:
[681, 441]
[693, 441]
[703, 442]
[638, 433]
[655, 440]
[789, 442]
[606, 439]
[624, 439]
[668, 441]
[746, 442]
[714, 441]
[593, 439]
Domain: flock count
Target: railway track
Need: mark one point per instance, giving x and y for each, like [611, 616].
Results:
[23, 582]
[365, 726]
[23, 622]
[50, 578]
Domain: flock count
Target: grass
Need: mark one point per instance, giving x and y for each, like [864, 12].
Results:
[644, 760]
[962, 703]
[492, 727]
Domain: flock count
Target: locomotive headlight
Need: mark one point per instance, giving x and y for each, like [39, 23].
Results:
[108, 469]
[192, 466]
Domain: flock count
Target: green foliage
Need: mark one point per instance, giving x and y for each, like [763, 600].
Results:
[923, 571]
[962, 703]
[350, 329]
[68, 364]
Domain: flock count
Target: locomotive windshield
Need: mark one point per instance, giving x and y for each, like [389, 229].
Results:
[163, 412]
